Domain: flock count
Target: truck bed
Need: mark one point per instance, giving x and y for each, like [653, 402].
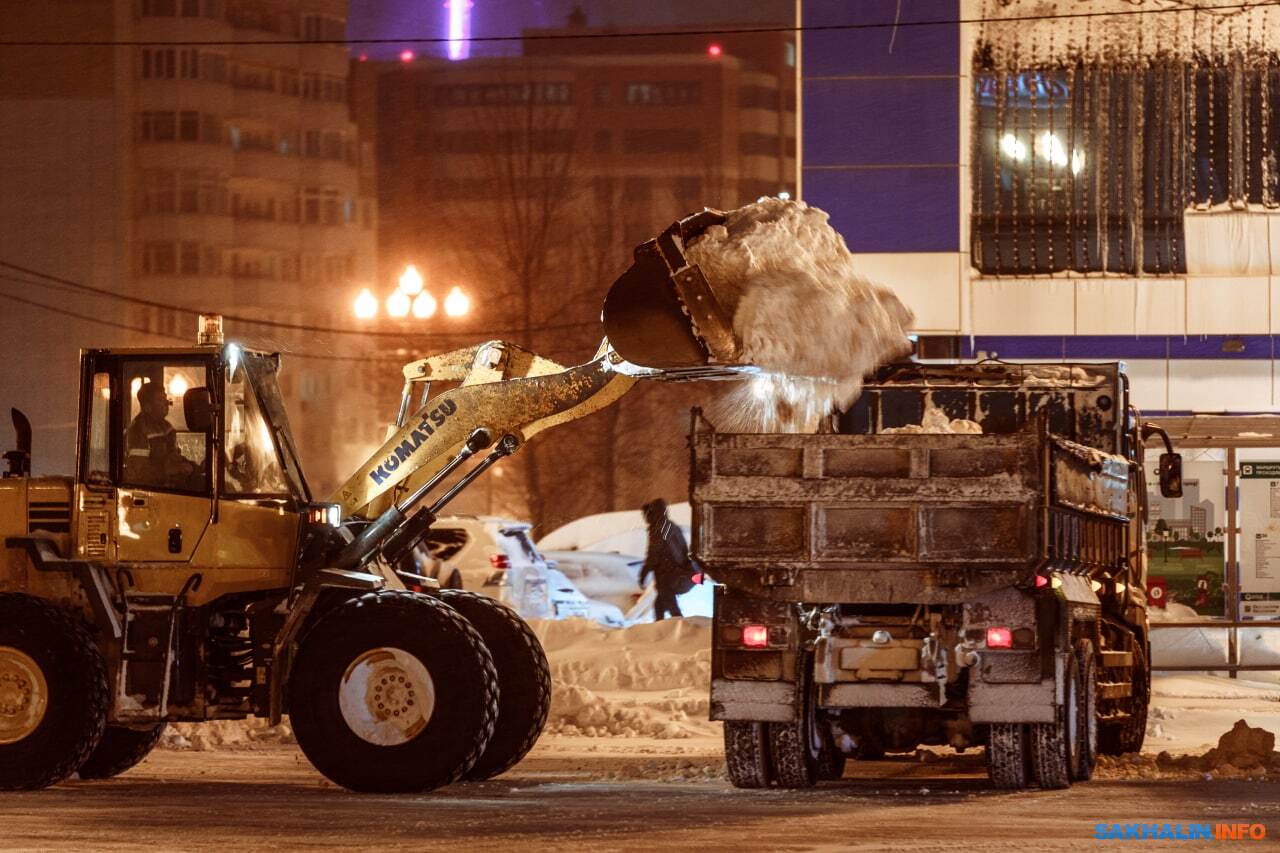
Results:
[900, 517]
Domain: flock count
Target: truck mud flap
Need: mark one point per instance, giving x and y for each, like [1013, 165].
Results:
[762, 701]
[1013, 703]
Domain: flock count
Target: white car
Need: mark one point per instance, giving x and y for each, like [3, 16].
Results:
[604, 576]
[496, 557]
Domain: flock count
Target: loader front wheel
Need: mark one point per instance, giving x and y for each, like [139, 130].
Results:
[53, 693]
[119, 750]
[393, 692]
[524, 680]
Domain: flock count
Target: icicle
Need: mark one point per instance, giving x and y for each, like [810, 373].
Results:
[1031, 193]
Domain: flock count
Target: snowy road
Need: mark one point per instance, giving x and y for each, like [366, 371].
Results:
[568, 797]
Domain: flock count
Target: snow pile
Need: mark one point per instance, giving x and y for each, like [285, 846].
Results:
[226, 734]
[801, 313]
[649, 680]
[936, 422]
[1243, 752]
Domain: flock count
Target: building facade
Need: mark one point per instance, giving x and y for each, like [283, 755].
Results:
[1042, 186]
[215, 176]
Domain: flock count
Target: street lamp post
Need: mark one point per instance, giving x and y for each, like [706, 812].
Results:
[411, 297]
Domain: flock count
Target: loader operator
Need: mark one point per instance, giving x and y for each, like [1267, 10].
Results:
[153, 458]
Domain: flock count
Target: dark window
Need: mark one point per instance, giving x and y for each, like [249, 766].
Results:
[758, 143]
[603, 141]
[189, 126]
[1090, 168]
[661, 140]
[189, 259]
[664, 93]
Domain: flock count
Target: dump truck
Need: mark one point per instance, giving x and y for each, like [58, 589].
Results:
[883, 587]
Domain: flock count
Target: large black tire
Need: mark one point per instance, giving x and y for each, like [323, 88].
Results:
[1087, 715]
[42, 742]
[1128, 734]
[1007, 755]
[393, 692]
[746, 753]
[120, 749]
[524, 680]
[1052, 744]
[795, 748]
[831, 761]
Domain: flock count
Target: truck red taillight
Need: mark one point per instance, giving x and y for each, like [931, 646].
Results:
[755, 636]
[500, 561]
[999, 638]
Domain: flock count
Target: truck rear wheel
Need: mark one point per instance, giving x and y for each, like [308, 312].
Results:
[524, 680]
[746, 753]
[393, 692]
[53, 693]
[795, 748]
[1055, 746]
[1087, 718]
[119, 750]
[1007, 755]
[1128, 733]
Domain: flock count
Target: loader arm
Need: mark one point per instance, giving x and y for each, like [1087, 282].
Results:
[504, 390]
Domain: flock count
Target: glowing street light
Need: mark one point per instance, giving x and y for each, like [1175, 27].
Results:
[456, 303]
[424, 305]
[398, 303]
[411, 280]
[366, 305]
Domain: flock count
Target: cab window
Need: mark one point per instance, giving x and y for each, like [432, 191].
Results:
[167, 418]
[252, 463]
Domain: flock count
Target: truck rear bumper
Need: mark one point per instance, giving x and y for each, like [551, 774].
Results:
[764, 701]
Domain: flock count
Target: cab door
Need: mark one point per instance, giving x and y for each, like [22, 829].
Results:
[164, 456]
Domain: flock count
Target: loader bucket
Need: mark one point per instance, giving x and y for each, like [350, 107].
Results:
[662, 313]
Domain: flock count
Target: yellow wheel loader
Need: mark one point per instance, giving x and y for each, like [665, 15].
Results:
[185, 572]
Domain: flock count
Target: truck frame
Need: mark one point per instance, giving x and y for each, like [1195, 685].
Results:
[882, 588]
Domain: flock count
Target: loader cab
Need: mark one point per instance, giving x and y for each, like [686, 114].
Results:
[182, 441]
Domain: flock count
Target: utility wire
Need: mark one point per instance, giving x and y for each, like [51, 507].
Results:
[279, 324]
[53, 309]
[562, 36]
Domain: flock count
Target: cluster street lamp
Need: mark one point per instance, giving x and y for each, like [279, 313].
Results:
[411, 297]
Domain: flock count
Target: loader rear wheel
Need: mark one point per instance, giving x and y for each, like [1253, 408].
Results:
[746, 753]
[119, 750]
[524, 680]
[393, 692]
[53, 693]
[1007, 755]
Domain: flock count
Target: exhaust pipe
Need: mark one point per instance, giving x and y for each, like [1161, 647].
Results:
[20, 459]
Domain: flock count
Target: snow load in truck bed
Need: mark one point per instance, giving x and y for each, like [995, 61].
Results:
[801, 312]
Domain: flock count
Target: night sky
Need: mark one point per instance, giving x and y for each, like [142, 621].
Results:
[428, 18]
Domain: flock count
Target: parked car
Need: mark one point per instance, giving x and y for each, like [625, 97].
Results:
[604, 576]
[496, 557]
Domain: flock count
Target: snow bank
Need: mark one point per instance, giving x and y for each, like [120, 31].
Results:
[1243, 752]
[649, 680]
[936, 422]
[801, 312]
[590, 532]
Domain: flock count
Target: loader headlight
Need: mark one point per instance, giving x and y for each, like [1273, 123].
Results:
[329, 515]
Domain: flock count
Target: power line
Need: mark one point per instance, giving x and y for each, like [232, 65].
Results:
[279, 324]
[562, 36]
[53, 309]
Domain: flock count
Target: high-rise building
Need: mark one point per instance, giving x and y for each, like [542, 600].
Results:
[172, 165]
